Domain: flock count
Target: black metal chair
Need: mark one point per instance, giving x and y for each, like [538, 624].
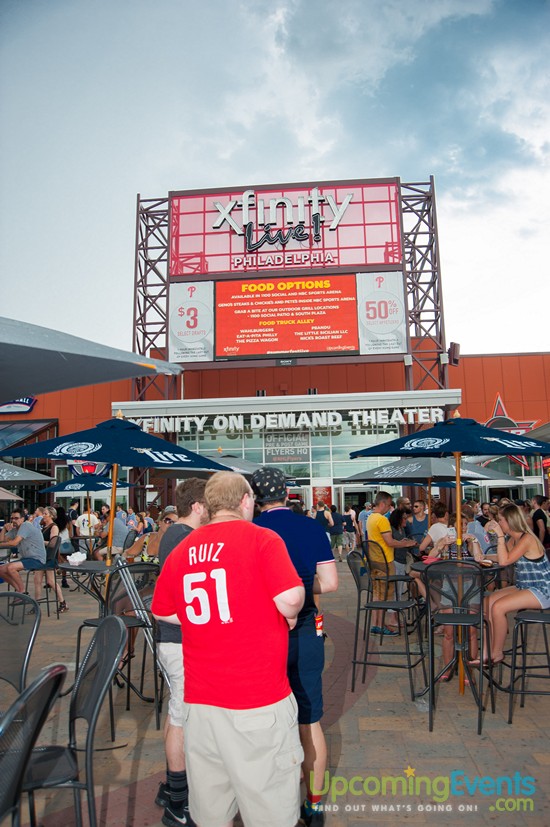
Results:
[17, 635]
[128, 588]
[19, 730]
[455, 597]
[529, 668]
[357, 567]
[130, 539]
[403, 608]
[384, 581]
[58, 766]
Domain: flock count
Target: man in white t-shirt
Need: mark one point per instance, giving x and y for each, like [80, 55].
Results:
[85, 524]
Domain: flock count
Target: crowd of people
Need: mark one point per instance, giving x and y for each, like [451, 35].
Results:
[504, 532]
[242, 570]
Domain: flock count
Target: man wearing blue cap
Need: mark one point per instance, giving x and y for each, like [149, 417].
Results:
[310, 551]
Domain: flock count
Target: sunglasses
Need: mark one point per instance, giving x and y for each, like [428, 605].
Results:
[168, 520]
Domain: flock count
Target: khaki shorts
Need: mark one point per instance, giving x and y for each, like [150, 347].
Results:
[379, 584]
[243, 759]
[171, 657]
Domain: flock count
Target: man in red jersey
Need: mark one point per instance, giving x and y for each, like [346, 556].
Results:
[234, 590]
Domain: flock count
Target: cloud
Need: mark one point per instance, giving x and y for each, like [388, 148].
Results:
[100, 102]
[526, 116]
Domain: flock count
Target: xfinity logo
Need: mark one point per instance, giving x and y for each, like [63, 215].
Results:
[256, 213]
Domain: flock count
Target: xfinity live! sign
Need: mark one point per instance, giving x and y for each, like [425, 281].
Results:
[353, 224]
[254, 214]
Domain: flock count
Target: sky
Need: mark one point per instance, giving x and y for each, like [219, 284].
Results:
[102, 100]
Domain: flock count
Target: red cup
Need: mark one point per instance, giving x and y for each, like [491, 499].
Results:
[319, 625]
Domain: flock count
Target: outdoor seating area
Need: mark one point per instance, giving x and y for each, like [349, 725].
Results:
[373, 732]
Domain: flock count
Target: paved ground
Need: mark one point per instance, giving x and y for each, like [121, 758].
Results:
[375, 733]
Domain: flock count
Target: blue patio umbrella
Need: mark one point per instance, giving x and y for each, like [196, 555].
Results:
[120, 442]
[84, 483]
[457, 436]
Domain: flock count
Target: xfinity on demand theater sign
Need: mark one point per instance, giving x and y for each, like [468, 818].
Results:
[291, 420]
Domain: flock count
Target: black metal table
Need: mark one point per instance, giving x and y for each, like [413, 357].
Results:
[93, 570]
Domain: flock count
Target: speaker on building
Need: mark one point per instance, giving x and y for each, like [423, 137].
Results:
[454, 354]
[261, 393]
[312, 391]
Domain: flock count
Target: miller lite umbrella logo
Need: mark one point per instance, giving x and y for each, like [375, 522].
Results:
[7, 474]
[429, 443]
[162, 456]
[75, 449]
[388, 471]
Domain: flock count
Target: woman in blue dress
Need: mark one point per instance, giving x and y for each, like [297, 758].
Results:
[517, 544]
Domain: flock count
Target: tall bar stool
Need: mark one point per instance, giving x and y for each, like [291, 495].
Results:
[366, 604]
[526, 669]
[455, 597]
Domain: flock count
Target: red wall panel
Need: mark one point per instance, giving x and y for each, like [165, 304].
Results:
[520, 381]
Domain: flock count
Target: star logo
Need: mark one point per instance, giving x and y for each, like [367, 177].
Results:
[501, 419]
[410, 772]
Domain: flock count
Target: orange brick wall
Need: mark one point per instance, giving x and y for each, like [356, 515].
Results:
[277, 381]
[521, 380]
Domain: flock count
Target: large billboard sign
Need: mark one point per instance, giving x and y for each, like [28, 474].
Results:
[273, 318]
[291, 227]
[286, 273]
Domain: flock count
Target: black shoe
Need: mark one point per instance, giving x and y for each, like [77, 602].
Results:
[65, 585]
[171, 819]
[313, 819]
[163, 796]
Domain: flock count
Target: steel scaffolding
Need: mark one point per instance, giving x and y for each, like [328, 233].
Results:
[425, 364]
[428, 357]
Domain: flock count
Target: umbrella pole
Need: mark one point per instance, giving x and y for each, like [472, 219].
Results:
[114, 478]
[458, 499]
[429, 503]
[90, 543]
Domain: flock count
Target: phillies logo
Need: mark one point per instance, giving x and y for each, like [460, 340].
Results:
[191, 290]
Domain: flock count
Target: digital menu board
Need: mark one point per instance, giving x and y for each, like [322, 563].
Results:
[281, 316]
[288, 316]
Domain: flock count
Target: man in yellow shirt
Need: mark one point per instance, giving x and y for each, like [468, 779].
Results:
[379, 531]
